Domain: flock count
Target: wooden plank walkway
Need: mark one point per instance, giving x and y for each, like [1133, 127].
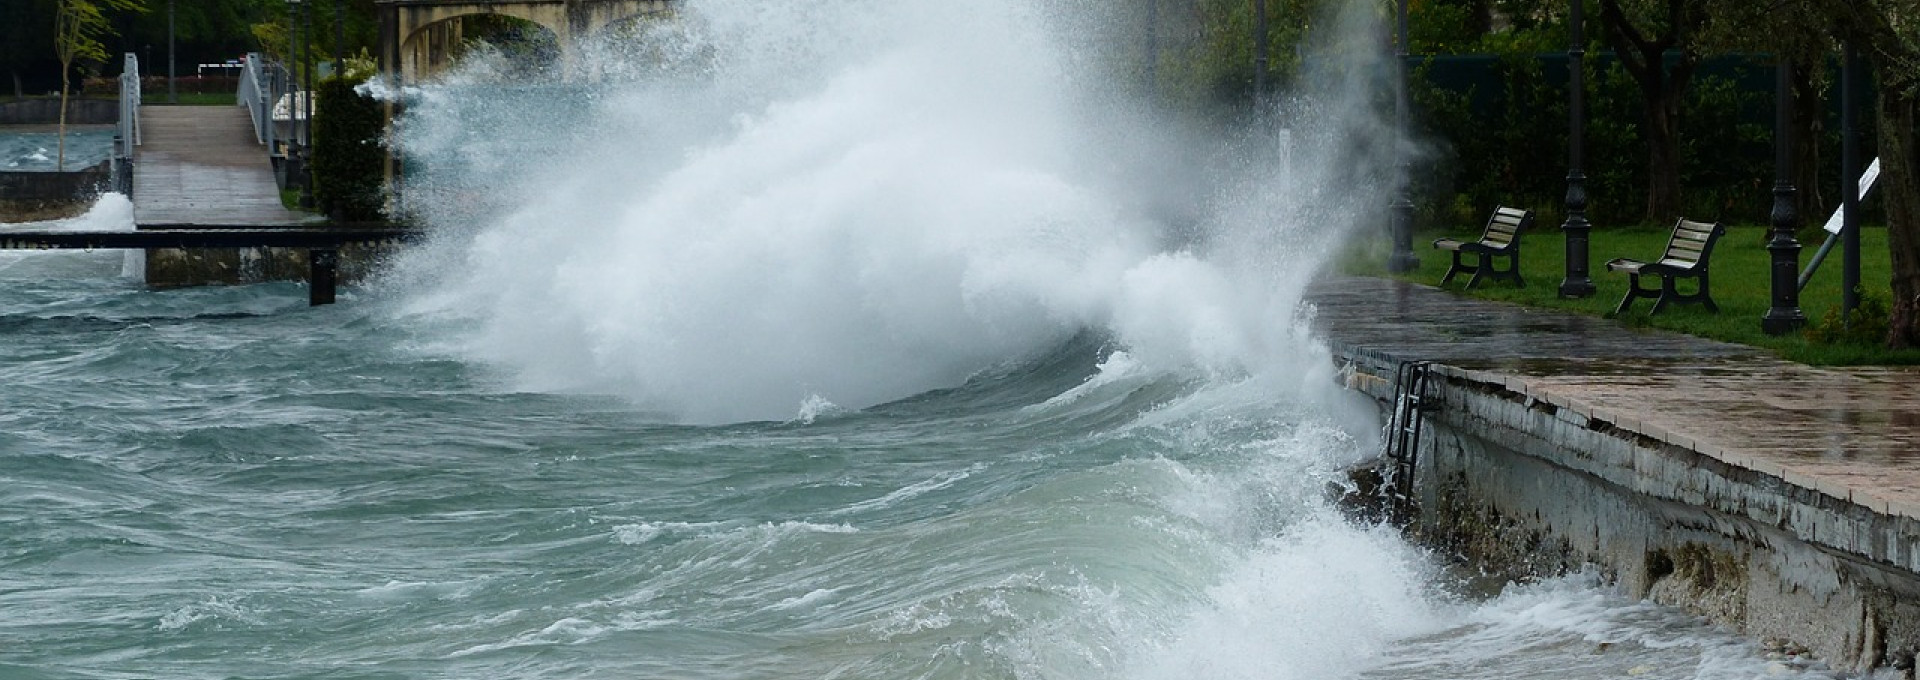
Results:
[203, 165]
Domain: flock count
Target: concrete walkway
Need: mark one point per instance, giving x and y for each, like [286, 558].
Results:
[203, 165]
[1849, 433]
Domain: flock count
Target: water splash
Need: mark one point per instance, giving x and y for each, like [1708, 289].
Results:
[758, 206]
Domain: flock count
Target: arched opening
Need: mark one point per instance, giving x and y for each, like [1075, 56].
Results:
[517, 47]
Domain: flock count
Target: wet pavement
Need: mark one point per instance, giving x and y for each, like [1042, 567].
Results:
[1850, 433]
[203, 165]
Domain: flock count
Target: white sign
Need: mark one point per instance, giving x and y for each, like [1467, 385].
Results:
[1866, 185]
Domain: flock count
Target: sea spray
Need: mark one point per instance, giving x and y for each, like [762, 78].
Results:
[851, 203]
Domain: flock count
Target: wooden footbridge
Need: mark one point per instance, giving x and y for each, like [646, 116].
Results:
[202, 180]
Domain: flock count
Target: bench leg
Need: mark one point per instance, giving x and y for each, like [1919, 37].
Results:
[1706, 299]
[1451, 270]
[1479, 271]
[1633, 291]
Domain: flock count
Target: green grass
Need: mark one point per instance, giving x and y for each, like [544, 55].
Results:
[1741, 285]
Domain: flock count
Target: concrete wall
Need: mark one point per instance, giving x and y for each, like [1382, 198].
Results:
[179, 268]
[33, 196]
[1526, 488]
[47, 111]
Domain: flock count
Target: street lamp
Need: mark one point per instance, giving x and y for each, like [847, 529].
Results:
[1577, 283]
[304, 60]
[172, 96]
[1402, 259]
[1785, 315]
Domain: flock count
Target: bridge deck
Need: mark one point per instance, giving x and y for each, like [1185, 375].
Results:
[203, 165]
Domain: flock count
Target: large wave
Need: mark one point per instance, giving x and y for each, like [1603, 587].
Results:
[758, 206]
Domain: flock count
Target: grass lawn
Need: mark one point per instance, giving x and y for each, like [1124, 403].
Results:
[1741, 281]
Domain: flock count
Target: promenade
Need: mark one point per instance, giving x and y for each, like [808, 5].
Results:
[203, 165]
[1852, 433]
[1778, 499]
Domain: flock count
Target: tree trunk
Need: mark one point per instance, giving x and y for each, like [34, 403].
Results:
[60, 159]
[1900, 189]
[1809, 125]
[1663, 151]
[1661, 88]
[19, 88]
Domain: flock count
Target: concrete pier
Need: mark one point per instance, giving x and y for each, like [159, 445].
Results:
[1772, 497]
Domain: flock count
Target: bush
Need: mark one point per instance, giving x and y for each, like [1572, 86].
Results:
[1866, 326]
[348, 161]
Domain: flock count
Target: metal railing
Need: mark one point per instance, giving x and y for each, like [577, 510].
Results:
[129, 106]
[128, 136]
[265, 89]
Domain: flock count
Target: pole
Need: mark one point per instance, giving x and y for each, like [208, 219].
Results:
[173, 96]
[1578, 283]
[306, 107]
[1402, 259]
[1259, 52]
[1785, 315]
[339, 39]
[1850, 181]
[1153, 46]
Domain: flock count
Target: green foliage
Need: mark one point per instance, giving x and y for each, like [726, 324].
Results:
[1215, 72]
[348, 162]
[79, 25]
[1865, 325]
[1496, 126]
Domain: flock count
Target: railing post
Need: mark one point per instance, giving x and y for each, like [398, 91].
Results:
[323, 265]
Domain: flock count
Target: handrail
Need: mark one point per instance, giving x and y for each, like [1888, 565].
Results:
[129, 106]
[128, 135]
[253, 96]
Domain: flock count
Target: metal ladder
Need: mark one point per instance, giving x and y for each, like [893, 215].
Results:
[1410, 400]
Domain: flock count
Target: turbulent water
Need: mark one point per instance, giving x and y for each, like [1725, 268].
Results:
[40, 151]
[832, 342]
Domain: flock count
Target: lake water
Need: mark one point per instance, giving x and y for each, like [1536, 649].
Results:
[833, 341]
[37, 151]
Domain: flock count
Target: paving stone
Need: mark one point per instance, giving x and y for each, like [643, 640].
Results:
[1845, 432]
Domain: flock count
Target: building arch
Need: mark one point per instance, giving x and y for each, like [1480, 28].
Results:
[417, 37]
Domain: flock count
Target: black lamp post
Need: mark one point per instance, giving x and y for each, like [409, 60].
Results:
[1785, 315]
[1401, 212]
[172, 96]
[1259, 53]
[1577, 282]
[304, 102]
[339, 39]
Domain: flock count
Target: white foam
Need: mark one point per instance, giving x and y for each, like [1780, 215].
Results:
[854, 203]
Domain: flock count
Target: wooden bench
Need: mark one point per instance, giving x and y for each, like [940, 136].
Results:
[1687, 255]
[1501, 238]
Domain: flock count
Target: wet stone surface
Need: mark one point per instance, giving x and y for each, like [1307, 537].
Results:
[1850, 433]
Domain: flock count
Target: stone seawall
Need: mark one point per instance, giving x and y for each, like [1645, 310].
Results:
[1778, 499]
[37, 196]
[1526, 482]
[180, 268]
[47, 110]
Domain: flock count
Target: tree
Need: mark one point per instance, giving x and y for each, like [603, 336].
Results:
[1888, 34]
[78, 26]
[1642, 33]
[25, 44]
[1779, 29]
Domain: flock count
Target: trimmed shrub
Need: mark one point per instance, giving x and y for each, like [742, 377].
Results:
[348, 161]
